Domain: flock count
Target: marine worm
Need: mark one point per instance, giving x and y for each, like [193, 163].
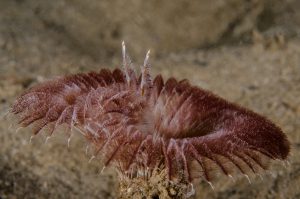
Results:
[141, 125]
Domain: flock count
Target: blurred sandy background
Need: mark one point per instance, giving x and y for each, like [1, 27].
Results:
[247, 51]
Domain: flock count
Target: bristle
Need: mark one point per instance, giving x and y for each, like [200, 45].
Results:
[125, 62]
[146, 81]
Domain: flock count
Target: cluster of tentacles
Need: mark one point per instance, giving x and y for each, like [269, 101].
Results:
[139, 124]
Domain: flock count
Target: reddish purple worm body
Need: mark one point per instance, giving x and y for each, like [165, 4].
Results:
[139, 124]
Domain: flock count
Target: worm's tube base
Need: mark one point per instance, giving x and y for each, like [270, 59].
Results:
[156, 186]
